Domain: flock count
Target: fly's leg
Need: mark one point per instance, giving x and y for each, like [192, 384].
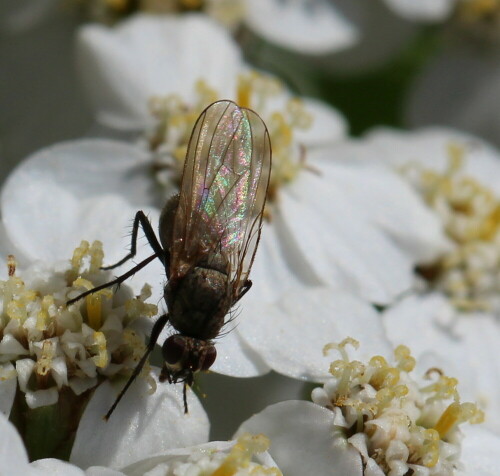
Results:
[244, 289]
[116, 281]
[155, 333]
[140, 219]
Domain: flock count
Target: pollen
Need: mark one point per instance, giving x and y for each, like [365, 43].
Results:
[469, 274]
[67, 346]
[381, 406]
[175, 120]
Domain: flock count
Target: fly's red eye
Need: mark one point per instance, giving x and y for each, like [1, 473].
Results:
[173, 349]
[210, 355]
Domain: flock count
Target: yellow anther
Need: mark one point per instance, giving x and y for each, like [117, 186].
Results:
[94, 310]
[448, 419]
[101, 359]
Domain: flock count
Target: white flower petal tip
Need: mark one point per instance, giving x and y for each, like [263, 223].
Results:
[291, 333]
[423, 10]
[235, 358]
[303, 440]
[142, 424]
[56, 467]
[306, 27]
[246, 456]
[146, 56]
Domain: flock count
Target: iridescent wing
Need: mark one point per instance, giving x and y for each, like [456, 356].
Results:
[223, 192]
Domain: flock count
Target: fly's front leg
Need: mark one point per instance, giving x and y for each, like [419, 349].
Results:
[142, 220]
[117, 281]
[155, 333]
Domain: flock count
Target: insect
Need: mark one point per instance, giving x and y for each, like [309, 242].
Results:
[208, 236]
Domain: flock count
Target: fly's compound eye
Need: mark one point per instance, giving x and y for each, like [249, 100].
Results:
[173, 349]
[209, 358]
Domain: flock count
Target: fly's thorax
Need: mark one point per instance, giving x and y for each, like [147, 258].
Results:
[186, 355]
[166, 226]
[198, 302]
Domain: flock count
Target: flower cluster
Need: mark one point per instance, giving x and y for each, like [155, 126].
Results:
[396, 423]
[52, 346]
[470, 213]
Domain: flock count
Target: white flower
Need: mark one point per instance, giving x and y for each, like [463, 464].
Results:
[214, 458]
[454, 320]
[375, 419]
[52, 349]
[148, 57]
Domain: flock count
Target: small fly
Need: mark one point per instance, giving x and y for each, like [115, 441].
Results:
[209, 234]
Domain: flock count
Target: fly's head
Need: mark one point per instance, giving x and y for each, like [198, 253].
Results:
[184, 356]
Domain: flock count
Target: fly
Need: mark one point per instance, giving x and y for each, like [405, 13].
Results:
[208, 236]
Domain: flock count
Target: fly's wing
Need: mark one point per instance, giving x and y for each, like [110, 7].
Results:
[223, 192]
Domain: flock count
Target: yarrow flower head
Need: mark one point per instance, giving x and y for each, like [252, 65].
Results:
[53, 346]
[470, 213]
[59, 353]
[397, 423]
[256, 91]
[214, 459]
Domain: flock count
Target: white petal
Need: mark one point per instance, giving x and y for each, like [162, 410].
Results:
[124, 66]
[480, 450]
[57, 467]
[307, 27]
[235, 358]
[85, 167]
[344, 251]
[302, 442]
[290, 334]
[8, 385]
[42, 398]
[328, 127]
[438, 337]
[423, 10]
[102, 471]
[384, 199]
[13, 456]
[141, 425]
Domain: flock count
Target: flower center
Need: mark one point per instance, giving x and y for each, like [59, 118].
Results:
[386, 415]
[470, 213]
[53, 346]
[256, 91]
